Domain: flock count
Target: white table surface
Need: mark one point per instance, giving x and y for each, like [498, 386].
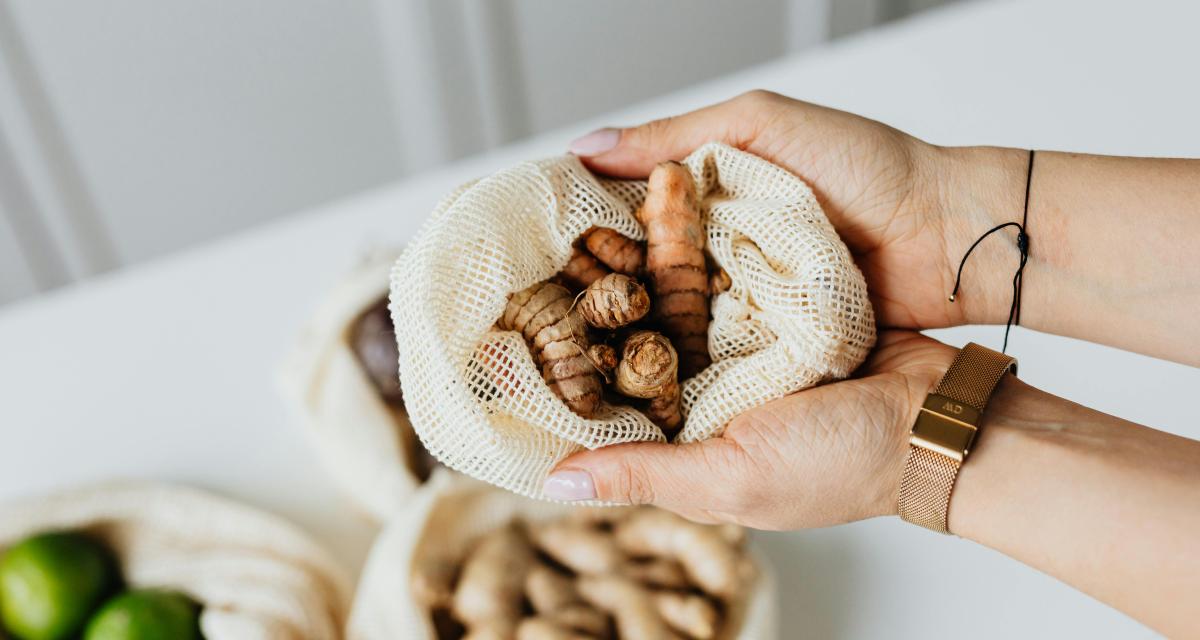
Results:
[167, 370]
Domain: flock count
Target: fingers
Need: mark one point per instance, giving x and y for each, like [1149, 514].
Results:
[633, 152]
[689, 478]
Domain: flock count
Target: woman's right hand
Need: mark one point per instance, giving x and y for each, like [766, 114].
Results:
[906, 209]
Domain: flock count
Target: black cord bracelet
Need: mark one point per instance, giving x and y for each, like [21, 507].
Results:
[1014, 311]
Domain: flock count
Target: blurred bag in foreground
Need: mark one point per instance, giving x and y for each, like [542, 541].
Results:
[341, 378]
[462, 551]
[254, 574]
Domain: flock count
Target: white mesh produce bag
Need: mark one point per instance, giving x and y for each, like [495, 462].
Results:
[366, 445]
[257, 576]
[796, 314]
[445, 517]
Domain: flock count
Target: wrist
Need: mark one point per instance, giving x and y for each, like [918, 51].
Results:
[918, 383]
[975, 189]
[1008, 447]
[947, 423]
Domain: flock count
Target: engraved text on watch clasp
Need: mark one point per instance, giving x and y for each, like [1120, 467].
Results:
[946, 426]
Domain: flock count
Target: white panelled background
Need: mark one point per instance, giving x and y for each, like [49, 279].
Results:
[133, 128]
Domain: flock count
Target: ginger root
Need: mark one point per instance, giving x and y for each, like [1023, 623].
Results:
[491, 630]
[543, 628]
[676, 264]
[614, 301]
[628, 602]
[490, 589]
[549, 590]
[582, 269]
[432, 583]
[617, 573]
[556, 601]
[707, 557]
[546, 315]
[582, 617]
[617, 252]
[656, 572]
[581, 549]
[693, 615]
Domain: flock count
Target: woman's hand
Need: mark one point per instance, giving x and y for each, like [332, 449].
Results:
[825, 456]
[907, 210]
[1096, 501]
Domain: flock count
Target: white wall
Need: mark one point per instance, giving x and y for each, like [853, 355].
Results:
[134, 128]
[16, 279]
[582, 58]
[186, 120]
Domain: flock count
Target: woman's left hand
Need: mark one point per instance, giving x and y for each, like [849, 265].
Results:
[828, 455]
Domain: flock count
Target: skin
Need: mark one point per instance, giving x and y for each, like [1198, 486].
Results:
[1115, 506]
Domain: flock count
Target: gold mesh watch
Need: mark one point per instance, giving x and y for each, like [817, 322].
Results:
[942, 435]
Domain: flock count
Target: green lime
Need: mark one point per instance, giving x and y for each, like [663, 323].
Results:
[50, 583]
[146, 614]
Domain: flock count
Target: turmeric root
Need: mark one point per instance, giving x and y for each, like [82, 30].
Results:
[544, 313]
[617, 252]
[707, 557]
[676, 265]
[693, 615]
[490, 589]
[665, 410]
[649, 369]
[604, 358]
[719, 281]
[628, 602]
[614, 301]
[648, 364]
[581, 549]
[582, 269]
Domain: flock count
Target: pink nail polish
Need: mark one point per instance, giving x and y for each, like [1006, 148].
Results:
[569, 485]
[595, 143]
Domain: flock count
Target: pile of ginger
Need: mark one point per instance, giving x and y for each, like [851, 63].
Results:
[651, 300]
[639, 573]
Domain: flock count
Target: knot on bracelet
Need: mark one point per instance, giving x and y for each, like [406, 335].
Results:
[1014, 310]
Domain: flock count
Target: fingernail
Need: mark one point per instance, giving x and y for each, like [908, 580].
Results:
[596, 142]
[569, 485]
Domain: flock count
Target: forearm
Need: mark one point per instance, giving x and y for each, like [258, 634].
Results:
[1110, 507]
[1114, 256]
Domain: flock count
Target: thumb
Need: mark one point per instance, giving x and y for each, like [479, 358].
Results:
[633, 152]
[678, 477]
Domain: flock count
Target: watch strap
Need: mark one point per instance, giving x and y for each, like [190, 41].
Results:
[974, 374]
[943, 433]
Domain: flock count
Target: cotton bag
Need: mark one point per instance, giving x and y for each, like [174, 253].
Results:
[366, 444]
[797, 313]
[256, 575]
[443, 519]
